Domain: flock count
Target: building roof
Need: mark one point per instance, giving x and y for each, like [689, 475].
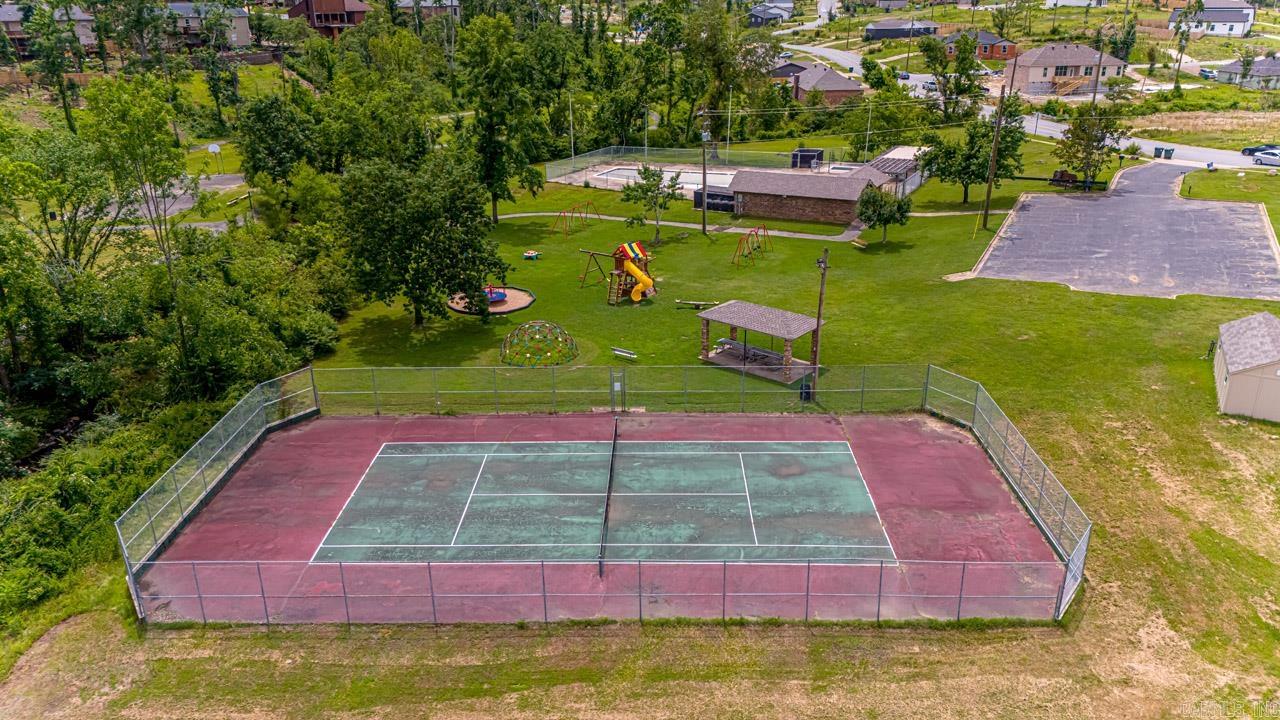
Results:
[1064, 54]
[781, 3]
[789, 68]
[10, 12]
[1262, 67]
[821, 77]
[895, 167]
[770, 11]
[776, 322]
[1226, 4]
[199, 9]
[1250, 342]
[817, 186]
[902, 24]
[1217, 15]
[983, 37]
[425, 4]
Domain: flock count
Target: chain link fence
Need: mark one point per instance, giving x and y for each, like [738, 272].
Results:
[719, 157]
[162, 509]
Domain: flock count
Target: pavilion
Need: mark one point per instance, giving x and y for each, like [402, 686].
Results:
[734, 351]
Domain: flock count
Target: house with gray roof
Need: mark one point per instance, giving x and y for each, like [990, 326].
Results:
[899, 28]
[817, 196]
[1063, 69]
[835, 88]
[1264, 74]
[11, 21]
[764, 14]
[189, 19]
[1246, 367]
[1225, 18]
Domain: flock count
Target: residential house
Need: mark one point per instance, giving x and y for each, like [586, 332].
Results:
[11, 22]
[787, 69]
[891, 5]
[1225, 18]
[990, 45]
[82, 24]
[330, 17]
[821, 197]
[762, 15]
[1074, 3]
[189, 18]
[835, 88]
[899, 28]
[1063, 69]
[1263, 75]
[431, 8]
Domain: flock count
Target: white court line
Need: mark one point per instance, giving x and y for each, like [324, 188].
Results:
[613, 544]
[616, 494]
[641, 453]
[883, 529]
[747, 492]
[468, 505]
[334, 524]
[499, 442]
[539, 494]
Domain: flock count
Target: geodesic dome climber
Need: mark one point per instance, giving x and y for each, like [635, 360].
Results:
[538, 343]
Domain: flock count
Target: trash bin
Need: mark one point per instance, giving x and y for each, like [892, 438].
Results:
[806, 392]
[1168, 153]
[1159, 153]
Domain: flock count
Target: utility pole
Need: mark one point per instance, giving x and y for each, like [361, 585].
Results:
[706, 136]
[1097, 80]
[728, 140]
[817, 329]
[995, 149]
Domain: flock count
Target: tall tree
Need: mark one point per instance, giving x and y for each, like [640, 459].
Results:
[503, 130]
[56, 49]
[654, 193]
[420, 235]
[1088, 144]
[1182, 35]
[967, 161]
[128, 119]
[957, 78]
[274, 136]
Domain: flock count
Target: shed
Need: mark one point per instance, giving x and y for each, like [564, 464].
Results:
[821, 197]
[1246, 367]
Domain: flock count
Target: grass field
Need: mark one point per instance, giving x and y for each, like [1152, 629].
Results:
[1226, 130]
[1181, 606]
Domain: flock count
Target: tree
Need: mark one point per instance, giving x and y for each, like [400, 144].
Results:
[420, 235]
[873, 75]
[880, 209]
[503, 127]
[959, 85]
[1153, 56]
[22, 289]
[1246, 64]
[653, 192]
[1003, 19]
[219, 72]
[52, 186]
[1182, 34]
[967, 161]
[56, 49]
[1123, 41]
[1088, 144]
[128, 119]
[1120, 89]
[274, 136]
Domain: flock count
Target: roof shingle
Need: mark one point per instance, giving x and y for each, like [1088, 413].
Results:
[1250, 342]
[776, 322]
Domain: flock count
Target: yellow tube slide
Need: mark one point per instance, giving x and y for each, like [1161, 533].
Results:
[643, 282]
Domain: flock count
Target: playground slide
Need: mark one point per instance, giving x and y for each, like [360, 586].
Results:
[644, 283]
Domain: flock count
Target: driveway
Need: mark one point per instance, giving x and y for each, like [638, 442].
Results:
[1139, 238]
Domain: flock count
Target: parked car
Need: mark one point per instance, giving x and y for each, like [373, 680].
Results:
[904, 75]
[930, 85]
[1208, 74]
[785, 55]
[1258, 148]
[1267, 157]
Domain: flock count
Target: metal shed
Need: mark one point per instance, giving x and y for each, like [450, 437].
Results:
[1246, 367]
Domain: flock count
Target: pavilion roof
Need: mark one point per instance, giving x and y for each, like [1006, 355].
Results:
[772, 321]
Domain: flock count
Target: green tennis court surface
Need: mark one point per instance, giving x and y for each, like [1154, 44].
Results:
[670, 501]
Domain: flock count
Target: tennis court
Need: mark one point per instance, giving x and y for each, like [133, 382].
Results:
[611, 500]
[689, 179]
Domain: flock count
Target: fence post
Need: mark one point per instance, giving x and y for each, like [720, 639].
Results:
[964, 568]
[924, 399]
[742, 390]
[377, 401]
[128, 575]
[151, 519]
[315, 391]
[686, 389]
[639, 592]
[862, 392]
[808, 570]
[262, 588]
[553, 389]
[724, 591]
[879, 590]
[977, 393]
[542, 567]
[435, 386]
[497, 410]
[204, 619]
[431, 582]
[346, 605]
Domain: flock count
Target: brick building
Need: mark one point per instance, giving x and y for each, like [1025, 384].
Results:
[330, 17]
[835, 88]
[820, 197]
[990, 45]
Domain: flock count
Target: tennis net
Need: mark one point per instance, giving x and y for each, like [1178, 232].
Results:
[608, 495]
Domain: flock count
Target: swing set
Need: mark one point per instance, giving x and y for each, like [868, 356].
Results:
[751, 243]
[574, 217]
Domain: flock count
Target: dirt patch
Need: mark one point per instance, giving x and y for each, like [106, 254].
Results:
[1208, 122]
[73, 671]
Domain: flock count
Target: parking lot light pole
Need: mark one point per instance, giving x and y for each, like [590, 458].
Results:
[706, 136]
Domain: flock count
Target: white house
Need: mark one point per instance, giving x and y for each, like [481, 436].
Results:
[1226, 18]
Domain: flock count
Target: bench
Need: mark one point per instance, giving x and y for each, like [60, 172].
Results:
[698, 304]
[624, 353]
[751, 353]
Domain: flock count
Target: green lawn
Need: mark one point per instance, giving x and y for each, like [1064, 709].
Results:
[201, 162]
[255, 80]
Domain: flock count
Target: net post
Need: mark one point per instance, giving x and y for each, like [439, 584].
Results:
[542, 568]
[431, 588]
[262, 588]
[808, 570]
[204, 619]
[879, 590]
[964, 567]
[346, 605]
[608, 495]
